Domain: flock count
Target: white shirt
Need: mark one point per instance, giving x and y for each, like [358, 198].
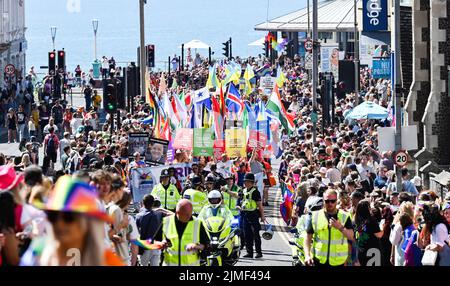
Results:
[334, 175]
[74, 124]
[396, 239]
[439, 235]
[48, 126]
[62, 144]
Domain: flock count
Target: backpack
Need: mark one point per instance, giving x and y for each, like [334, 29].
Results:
[51, 148]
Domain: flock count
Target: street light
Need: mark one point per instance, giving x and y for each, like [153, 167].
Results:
[53, 33]
[95, 27]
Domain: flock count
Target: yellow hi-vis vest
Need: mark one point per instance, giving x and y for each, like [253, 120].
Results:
[248, 204]
[198, 199]
[329, 243]
[169, 198]
[230, 201]
[176, 254]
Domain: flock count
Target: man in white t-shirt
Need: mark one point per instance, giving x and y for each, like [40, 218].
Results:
[224, 166]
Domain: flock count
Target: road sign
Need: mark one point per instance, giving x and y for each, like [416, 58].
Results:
[309, 45]
[308, 61]
[10, 69]
[401, 158]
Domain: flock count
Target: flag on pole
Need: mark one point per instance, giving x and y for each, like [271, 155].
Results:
[287, 203]
[281, 78]
[234, 101]
[217, 119]
[213, 81]
[275, 106]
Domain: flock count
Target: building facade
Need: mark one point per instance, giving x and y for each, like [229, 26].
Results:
[13, 44]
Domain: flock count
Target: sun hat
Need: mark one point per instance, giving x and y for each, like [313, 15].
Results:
[72, 195]
[8, 178]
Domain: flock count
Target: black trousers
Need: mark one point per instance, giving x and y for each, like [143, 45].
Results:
[251, 231]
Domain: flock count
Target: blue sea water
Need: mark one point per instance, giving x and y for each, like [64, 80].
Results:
[168, 24]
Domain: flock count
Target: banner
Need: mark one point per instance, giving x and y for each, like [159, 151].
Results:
[236, 142]
[329, 60]
[258, 134]
[203, 142]
[142, 180]
[157, 151]
[183, 139]
[375, 15]
[138, 142]
[381, 68]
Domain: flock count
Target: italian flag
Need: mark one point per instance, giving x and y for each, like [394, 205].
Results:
[275, 106]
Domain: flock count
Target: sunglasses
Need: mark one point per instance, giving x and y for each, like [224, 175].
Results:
[330, 201]
[67, 217]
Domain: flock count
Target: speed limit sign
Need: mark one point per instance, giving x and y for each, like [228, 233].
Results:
[10, 69]
[309, 45]
[401, 158]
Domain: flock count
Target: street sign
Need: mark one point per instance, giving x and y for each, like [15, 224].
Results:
[309, 45]
[10, 69]
[308, 61]
[401, 158]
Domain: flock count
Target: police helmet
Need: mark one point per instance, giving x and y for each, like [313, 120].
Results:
[164, 173]
[210, 179]
[196, 180]
[215, 198]
[249, 177]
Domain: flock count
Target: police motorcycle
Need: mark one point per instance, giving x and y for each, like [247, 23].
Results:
[299, 234]
[223, 231]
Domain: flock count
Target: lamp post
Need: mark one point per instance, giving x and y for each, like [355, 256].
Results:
[356, 56]
[53, 33]
[142, 63]
[95, 27]
[315, 71]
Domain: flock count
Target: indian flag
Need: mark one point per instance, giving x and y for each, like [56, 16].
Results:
[275, 106]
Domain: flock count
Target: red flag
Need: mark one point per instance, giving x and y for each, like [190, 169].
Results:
[222, 102]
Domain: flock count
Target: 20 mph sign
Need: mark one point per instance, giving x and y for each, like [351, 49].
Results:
[401, 158]
[10, 69]
[309, 45]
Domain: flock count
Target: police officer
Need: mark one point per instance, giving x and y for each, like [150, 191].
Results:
[184, 237]
[210, 182]
[230, 193]
[196, 195]
[215, 207]
[167, 192]
[251, 209]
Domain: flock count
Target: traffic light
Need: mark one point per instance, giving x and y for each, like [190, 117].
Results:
[226, 49]
[266, 48]
[62, 60]
[109, 96]
[151, 56]
[51, 62]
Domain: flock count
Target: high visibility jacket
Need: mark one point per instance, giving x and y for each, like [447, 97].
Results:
[329, 243]
[222, 211]
[230, 201]
[248, 204]
[169, 198]
[176, 254]
[198, 199]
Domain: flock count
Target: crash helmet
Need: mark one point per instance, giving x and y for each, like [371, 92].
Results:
[215, 198]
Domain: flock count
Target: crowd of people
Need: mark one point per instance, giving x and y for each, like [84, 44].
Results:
[78, 196]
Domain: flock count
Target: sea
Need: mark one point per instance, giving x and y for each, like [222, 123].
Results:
[168, 24]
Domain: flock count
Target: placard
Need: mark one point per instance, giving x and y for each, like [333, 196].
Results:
[235, 142]
[267, 84]
[157, 151]
[138, 142]
[203, 142]
[183, 139]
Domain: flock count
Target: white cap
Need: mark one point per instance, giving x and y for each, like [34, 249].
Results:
[417, 181]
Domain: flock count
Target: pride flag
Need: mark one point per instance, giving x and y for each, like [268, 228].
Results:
[287, 204]
[147, 244]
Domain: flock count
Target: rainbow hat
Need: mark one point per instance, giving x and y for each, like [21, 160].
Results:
[70, 195]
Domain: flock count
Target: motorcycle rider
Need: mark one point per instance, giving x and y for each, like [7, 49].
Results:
[196, 195]
[215, 207]
[210, 183]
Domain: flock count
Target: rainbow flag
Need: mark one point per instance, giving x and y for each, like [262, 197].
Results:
[288, 203]
[147, 244]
